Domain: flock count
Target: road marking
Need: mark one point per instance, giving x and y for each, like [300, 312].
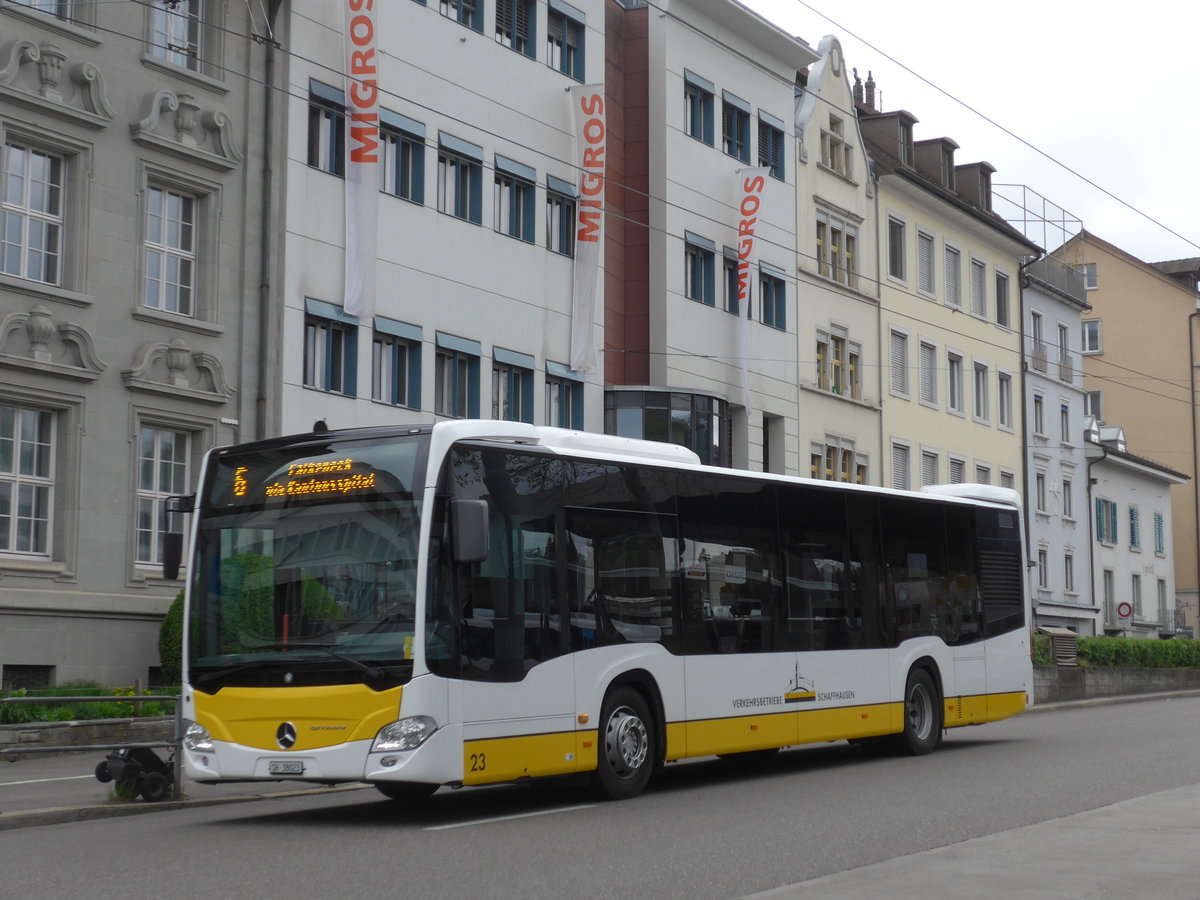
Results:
[530, 815]
[44, 780]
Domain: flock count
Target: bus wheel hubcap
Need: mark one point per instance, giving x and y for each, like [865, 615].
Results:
[920, 712]
[625, 741]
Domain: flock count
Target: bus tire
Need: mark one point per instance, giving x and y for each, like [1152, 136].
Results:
[405, 792]
[627, 745]
[922, 715]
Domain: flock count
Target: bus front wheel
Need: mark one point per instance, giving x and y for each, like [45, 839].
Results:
[405, 792]
[922, 715]
[627, 745]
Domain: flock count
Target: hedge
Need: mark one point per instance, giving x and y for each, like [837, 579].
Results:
[1177, 653]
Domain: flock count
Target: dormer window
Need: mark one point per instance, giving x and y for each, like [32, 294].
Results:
[985, 189]
[908, 153]
[835, 152]
[947, 167]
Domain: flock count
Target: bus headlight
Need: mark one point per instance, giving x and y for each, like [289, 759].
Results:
[197, 738]
[406, 734]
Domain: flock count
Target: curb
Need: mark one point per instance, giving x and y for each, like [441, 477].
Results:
[29, 818]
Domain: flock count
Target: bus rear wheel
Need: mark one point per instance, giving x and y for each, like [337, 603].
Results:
[627, 746]
[922, 715]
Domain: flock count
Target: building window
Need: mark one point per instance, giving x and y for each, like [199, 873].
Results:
[927, 363]
[835, 152]
[162, 472]
[837, 460]
[564, 400]
[953, 276]
[900, 467]
[982, 411]
[33, 214]
[1039, 415]
[175, 28]
[513, 204]
[955, 399]
[60, 9]
[899, 363]
[1065, 370]
[978, 288]
[1106, 521]
[1091, 335]
[1163, 618]
[330, 349]
[564, 42]
[697, 421]
[326, 128]
[560, 219]
[925, 263]
[1004, 400]
[460, 186]
[1069, 572]
[983, 474]
[838, 365]
[698, 107]
[729, 271]
[515, 21]
[772, 298]
[1008, 479]
[1135, 528]
[929, 467]
[837, 242]
[1039, 492]
[1068, 499]
[456, 384]
[402, 167]
[1135, 588]
[396, 364]
[770, 148]
[27, 447]
[1110, 596]
[512, 386]
[1064, 422]
[1043, 568]
[1003, 310]
[1093, 405]
[735, 127]
[1160, 546]
[958, 469]
[170, 250]
[699, 270]
[1089, 276]
[465, 12]
[897, 261]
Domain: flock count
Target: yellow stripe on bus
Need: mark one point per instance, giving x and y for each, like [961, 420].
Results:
[489, 760]
[323, 716]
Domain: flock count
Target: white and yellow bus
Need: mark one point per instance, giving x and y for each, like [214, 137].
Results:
[477, 602]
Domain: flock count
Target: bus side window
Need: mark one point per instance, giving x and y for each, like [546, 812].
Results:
[914, 540]
[818, 616]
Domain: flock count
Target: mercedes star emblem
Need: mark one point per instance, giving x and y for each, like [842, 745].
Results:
[285, 735]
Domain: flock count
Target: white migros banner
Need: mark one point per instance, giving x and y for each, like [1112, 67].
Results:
[362, 157]
[587, 103]
[749, 193]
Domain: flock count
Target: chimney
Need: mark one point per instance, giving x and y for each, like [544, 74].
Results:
[870, 89]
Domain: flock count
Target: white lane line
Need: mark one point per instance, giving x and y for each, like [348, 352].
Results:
[530, 815]
[44, 780]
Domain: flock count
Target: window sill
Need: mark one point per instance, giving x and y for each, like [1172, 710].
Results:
[841, 398]
[43, 291]
[836, 174]
[31, 566]
[956, 412]
[196, 78]
[173, 320]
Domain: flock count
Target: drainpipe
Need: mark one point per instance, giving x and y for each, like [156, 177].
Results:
[265, 311]
[1195, 469]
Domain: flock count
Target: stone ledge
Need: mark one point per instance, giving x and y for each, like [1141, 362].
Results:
[1058, 684]
[85, 732]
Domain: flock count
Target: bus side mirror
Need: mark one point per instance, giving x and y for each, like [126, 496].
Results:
[172, 554]
[469, 530]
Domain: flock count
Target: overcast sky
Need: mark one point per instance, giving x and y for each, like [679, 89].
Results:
[1113, 98]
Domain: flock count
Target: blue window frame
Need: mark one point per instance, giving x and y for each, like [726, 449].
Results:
[512, 385]
[330, 348]
[770, 145]
[465, 12]
[564, 396]
[460, 178]
[403, 170]
[396, 363]
[773, 296]
[565, 31]
[698, 107]
[699, 274]
[560, 216]
[515, 24]
[456, 385]
[326, 128]
[514, 199]
[735, 126]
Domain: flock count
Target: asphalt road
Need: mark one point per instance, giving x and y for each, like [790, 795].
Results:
[704, 829]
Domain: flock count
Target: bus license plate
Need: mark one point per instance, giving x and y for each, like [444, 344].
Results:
[285, 767]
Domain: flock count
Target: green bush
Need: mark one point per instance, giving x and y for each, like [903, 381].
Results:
[1043, 650]
[1145, 654]
[170, 642]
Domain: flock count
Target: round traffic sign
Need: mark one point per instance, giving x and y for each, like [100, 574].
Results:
[1125, 610]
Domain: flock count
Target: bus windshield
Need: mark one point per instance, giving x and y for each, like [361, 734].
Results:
[306, 564]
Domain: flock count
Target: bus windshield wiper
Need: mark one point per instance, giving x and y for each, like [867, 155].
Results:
[204, 678]
[373, 673]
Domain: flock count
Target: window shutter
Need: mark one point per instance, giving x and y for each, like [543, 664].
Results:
[895, 248]
[522, 30]
[925, 263]
[929, 466]
[978, 295]
[958, 471]
[899, 467]
[1099, 520]
[899, 361]
[953, 295]
[928, 374]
